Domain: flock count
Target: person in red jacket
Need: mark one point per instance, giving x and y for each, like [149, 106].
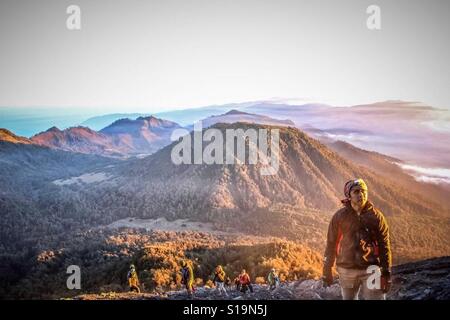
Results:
[244, 280]
[358, 241]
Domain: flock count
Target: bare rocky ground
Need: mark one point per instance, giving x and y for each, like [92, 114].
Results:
[296, 290]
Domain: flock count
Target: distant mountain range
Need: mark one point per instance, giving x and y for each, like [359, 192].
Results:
[99, 122]
[184, 117]
[125, 137]
[79, 139]
[234, 116]
[411, 131]
[143, 135]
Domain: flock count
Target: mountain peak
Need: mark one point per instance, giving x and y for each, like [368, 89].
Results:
[155, 122]
[53, 129]
[142, 135]
[152, 121]
[148, 118]
[234, 111]
[81, 129]
[119, 121]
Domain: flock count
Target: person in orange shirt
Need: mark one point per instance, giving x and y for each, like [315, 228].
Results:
[244, 280]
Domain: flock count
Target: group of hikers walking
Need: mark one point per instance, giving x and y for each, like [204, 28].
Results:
[357, 239]
[242, 281]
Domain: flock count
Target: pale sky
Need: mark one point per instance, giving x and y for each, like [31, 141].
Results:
[144, 56]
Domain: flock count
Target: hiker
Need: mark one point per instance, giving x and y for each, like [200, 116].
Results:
[133, 281]
[219, 279]
[187, 278]
[228, 282]
[244, 280]
[273, 279]
[237, 283]
[358, 237]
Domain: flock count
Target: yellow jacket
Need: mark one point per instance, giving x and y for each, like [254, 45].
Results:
[133, 280]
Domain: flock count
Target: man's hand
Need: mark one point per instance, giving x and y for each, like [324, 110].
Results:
[386, 281]
[327, 277]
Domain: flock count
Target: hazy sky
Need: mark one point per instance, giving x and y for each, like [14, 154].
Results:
[133, 56]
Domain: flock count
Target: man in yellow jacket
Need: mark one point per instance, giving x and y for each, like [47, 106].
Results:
[133, 280]
[187, 277]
